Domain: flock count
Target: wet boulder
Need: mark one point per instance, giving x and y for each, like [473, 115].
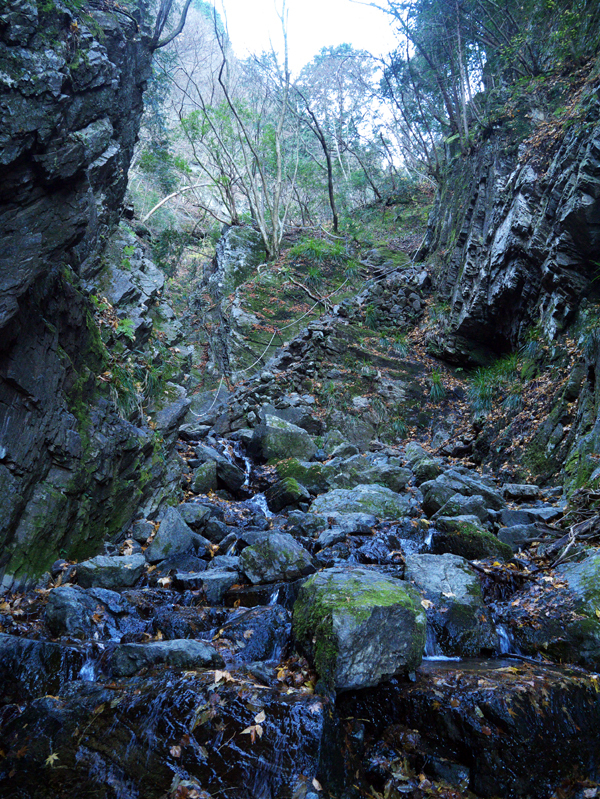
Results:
[174, 537]
[286, 493]
[128, 659]
[458, 481]
[276, 439]
[313, 476]
[517, 730]
[92, 613]
[111, 572]
[137, 738]
[205, 478]
[565, 624]
[459, 505]
[359, 626]
[375, 500]
[275, 557]
[456, 613]
[465, 536]
[363, 470]
[177, 621]
[33, 668]
[259, 634]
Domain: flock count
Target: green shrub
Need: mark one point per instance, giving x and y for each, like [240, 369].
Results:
[437, 392]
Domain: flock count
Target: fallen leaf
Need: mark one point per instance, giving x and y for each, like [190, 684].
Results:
[175, 751]
[223, 675]
[316, 784]
[427, 603]
[51, 759]
[260, 717]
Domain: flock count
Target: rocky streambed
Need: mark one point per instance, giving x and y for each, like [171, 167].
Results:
[311, 621]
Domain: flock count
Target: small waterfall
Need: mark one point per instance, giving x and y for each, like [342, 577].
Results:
[239, 453]
[506, 641]
[274, 598]
[429, 538]
[89, 670]
[259, 502]
[433, 650]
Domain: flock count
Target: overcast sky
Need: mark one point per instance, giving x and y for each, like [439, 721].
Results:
[313, 24]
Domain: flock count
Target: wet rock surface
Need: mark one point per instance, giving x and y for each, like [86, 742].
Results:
[221, 653]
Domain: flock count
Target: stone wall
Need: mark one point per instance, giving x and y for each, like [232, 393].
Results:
[72, 471]
[516, 232]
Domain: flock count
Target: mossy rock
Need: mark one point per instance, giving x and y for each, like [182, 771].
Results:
[359, 627]
[464, 536]
[274, 440]
[275, 558]
[285, 493]
[205, 478]
[374, 499]
[313, 476]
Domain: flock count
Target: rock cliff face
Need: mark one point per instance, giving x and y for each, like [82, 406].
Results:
[72, 471]
[517, 232]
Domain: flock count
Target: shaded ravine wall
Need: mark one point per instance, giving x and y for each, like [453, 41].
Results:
[513, 244]
[72, 472]
[516, 232]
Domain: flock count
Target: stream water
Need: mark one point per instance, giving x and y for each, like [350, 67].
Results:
[84, 714]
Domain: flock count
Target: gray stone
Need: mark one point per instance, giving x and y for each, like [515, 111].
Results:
[141, 530]
[437, 492]
[103, 571]
[344, 450]
[333, 536]
[274, 558]
[174, 537]
[465, 536]
[286, 493]
[228, 563]
[374, 500]
[194, 514]
[518, 492]
[458, 505]
[183, 653]
[359, 627]
[519, 535]
[275, 439]
[459, 618]
[546, 513]
[216, 583]
[205, 478]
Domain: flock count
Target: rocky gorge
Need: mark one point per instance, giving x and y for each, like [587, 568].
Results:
[323, 575]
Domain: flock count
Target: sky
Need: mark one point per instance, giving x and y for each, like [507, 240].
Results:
[313, 24]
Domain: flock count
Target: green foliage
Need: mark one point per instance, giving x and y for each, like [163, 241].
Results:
[139, 380]
[372, 316]
[400, 345]
[125, 328]
[504, 381]
[314, 277]
[168, 248]
[437, 392]
[319, 251]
